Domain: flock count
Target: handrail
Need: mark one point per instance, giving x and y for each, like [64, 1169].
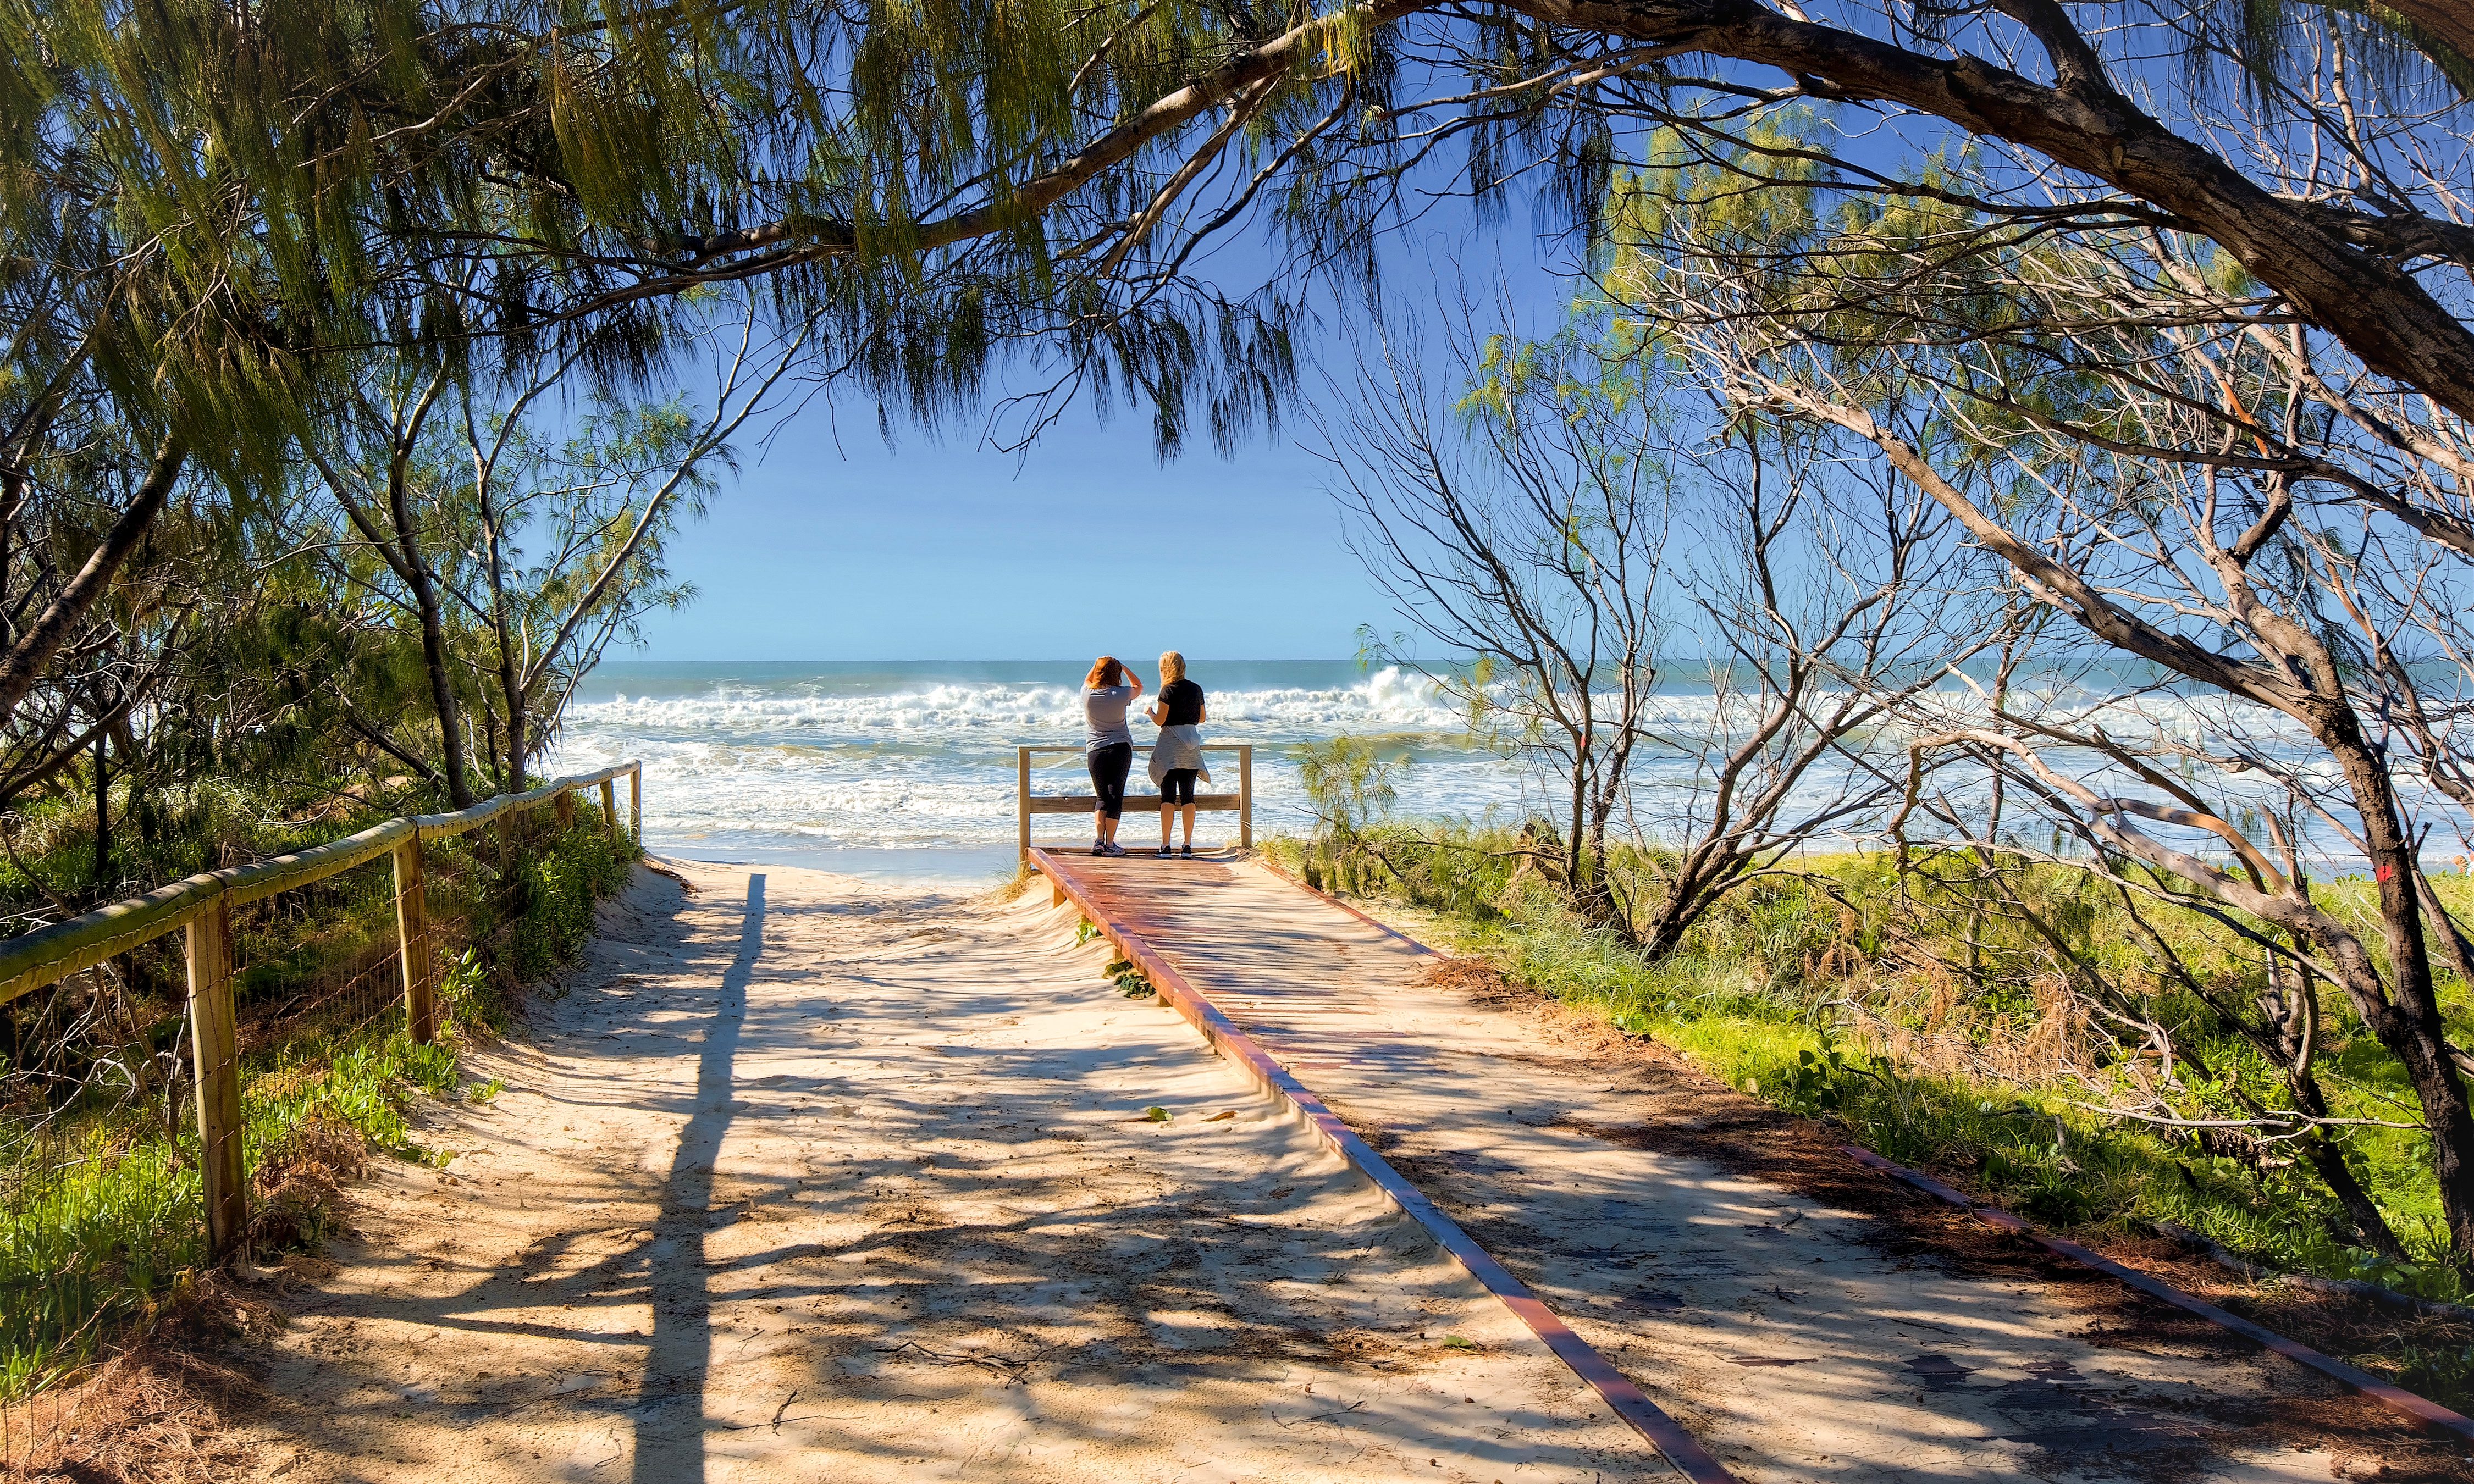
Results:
[50, 954]
[1027, 803]
[1061, 746]
[202, 904]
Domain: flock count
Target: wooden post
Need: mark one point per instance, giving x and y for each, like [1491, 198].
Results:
[214, 1048]
[1021, 805]
[412, 943]
[565, 805]
[506, 862]
[1245, 796]
[610, 807]
[636, 805]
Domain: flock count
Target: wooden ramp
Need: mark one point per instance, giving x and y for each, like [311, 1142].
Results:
[1784, 1320]
[1221, 940]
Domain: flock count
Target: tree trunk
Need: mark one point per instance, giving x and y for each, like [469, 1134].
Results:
[511, 687]
[434, 656]
[102, 813]
[1701, 874]
[26, 661]
[2404, 1013]
[1667, 926]
[2327, 1161]
[517, 745]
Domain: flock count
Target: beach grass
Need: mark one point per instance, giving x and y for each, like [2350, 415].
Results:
[102, 1223]
[1971, 1064]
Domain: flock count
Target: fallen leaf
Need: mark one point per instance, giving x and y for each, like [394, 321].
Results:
[1221, 1116]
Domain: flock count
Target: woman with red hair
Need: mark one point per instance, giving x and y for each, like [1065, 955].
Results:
[1108, 745]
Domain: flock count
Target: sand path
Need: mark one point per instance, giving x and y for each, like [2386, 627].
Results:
[804, 1178]
[1808, 1328]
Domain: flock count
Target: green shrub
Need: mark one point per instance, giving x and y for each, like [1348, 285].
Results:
[1790, 989]
[104, 1209]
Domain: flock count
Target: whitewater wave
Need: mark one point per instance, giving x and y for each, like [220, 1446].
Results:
[1389, 699]
[894, 758]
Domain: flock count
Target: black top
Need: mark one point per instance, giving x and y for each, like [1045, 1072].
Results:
[1184, 701]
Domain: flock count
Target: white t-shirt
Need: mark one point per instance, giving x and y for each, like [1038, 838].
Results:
[1104, 716]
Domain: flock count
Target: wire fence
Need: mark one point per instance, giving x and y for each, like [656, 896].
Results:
[198, 1094]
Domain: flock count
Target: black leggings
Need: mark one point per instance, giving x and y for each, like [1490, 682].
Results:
[1177, 786]
[1108, 768]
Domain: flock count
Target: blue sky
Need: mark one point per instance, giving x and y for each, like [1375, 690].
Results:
[832, 546]
[829, 548]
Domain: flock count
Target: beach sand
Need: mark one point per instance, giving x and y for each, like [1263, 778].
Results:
[804, 1176]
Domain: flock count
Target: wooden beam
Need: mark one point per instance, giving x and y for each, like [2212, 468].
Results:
[412, 943]
[1021, 804]
[1246, 796]
[214, 1050]
[1084, 803]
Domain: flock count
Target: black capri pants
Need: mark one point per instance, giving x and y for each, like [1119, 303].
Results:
[1177, 786]
[1108, 768]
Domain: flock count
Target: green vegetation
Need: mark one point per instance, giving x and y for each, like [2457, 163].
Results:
[1847, 990]
[101, 1216]
[1129, 980]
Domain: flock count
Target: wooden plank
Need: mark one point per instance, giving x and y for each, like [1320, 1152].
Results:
[412, 943]
[1679, 1447]
[1078, 748]
[565, 805]
[214, 1048]
[258, 882]
[1084, 803]
[50, 954]
[1246, 797]
[636, 803]
[1021, 804]
[610, 807]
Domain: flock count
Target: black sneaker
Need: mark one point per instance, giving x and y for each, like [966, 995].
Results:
[1165, 852]
[1187, 852]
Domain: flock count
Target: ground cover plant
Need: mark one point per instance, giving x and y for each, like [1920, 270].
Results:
[1921, 1015]
[102, 1231]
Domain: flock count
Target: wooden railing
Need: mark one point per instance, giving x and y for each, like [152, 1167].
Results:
[1028, 803]
[202, 905]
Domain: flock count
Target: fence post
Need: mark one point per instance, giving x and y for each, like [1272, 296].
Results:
[610, 807]
[214, 1045]
[565, 805]
[412, 941]
[636, 803]
[1245, 796]
[1021, 805]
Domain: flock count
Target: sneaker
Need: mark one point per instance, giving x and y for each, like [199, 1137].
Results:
[1112, 847]
[1187, 852]
[1098, 847]
[1165, 852]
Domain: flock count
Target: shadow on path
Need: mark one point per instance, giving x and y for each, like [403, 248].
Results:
[670, 1410]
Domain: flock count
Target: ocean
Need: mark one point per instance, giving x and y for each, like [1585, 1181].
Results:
[908, 770]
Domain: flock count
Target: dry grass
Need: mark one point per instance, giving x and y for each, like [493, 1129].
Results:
[298, 1179]
[158, 1411]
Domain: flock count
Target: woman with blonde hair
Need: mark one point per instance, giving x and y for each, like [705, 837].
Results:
[1176, 759]
[1108, 745]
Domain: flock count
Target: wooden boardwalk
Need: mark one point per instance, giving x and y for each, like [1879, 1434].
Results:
[1745, 1326]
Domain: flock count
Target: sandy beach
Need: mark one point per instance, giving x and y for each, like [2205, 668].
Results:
[798, 1175]
[802, 1176]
